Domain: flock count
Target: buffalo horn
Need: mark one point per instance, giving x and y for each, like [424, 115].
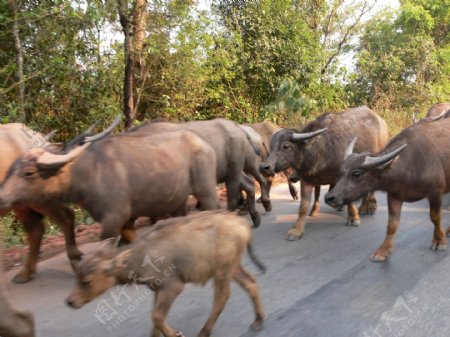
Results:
[307, 135]
[371, 162]
[91, 129]
[104, 132]
[48, 136]
[349, 149]
[48, 160]
[440, 116]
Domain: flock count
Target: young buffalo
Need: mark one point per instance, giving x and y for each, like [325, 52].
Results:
[191, 249]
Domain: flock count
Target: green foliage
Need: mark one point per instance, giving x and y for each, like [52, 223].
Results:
[403, 58]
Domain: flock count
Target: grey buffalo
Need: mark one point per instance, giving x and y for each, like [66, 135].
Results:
[414, 165]
[317, 151]
[118, 179]
[232, 147]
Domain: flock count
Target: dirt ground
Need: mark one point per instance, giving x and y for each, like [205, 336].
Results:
[55, 244]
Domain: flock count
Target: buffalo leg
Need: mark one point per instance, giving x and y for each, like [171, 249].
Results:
[297, 231]
[394, 209]
[352, 215]
[368, 205]
[439, 239]
[128, 232]
[64, 217]
[34, 227]
[292, 190]
[163, 301]
[265, 200]
[248, 282]
[248, 185]
[221, 294]
[316, 206]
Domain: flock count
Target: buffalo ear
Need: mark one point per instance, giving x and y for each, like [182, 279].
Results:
[118, 262]
[121, 259]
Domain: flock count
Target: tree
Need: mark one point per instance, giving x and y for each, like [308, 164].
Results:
[401, 58]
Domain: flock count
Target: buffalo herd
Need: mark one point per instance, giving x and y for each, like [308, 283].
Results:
[151, 171]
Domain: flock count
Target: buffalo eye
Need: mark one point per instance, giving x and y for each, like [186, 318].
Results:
[286, 146]
[28, 174]
[356, 174]
[85, 283]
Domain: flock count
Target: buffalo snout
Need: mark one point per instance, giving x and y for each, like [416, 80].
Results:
[332, 200]
[267, 169]
[71, 303]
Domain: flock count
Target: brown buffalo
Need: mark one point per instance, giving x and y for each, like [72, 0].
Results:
[414, 165]
[15, 140]
[317, 152]
[165, 260]
[117, 179]
[13, 322]
[234, 154]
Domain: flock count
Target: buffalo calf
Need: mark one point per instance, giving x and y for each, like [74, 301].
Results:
[191, 249]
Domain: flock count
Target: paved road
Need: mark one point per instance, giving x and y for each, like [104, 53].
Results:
[323, 285]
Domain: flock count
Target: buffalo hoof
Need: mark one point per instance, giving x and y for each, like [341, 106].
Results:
[314, 212]
[267, 205]
[340, 208]
[22, 277]
[258, 200]
[439, 247]
[353, 222]
[256, 219]
[293, 234]
[178, 333]
[377, 257]
[256, 326]
[366, 211]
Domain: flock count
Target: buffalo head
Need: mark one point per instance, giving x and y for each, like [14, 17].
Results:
[286, 150]
[97, 273]
[361, 174]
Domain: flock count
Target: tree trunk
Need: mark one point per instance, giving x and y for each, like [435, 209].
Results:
[128, 84]
[19, 72]
[134, 30]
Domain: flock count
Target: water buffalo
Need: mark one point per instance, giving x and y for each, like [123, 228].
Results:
[13, 322]
[414, 165]
[317, 151]
[232, 147]
[165, 261]
[266, 130]
[118, 179]
[436, 112]
[16, 139]
[439, 110]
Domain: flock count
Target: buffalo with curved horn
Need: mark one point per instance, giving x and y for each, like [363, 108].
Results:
[16, 139]
[414, 165]
[317, 151]
[117, 178]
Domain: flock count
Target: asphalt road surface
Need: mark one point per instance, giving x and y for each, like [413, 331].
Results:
[322, 285]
